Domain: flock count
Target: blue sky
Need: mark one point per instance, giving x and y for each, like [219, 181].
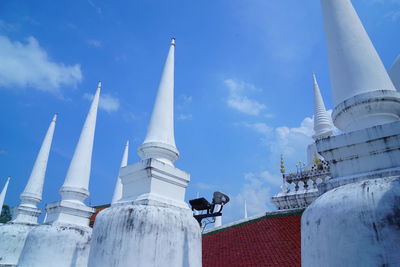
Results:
[243, 86]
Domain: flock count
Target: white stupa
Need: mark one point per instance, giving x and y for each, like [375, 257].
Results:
[356, 222]
[118, 185]
[25, 216]
[3, 194]
[63, 240]
[151, 225]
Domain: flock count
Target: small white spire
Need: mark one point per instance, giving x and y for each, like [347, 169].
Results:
[34, 187]
[160, 139]
[27, 211]
[118, 186]
[394, 73]
[3, 194]
[76, 184]
[323, 125]
[245, 209]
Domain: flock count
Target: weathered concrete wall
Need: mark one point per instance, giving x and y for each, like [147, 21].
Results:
[56, 245]
[12, 241]
[357, 224]
[134, 235]
[359, 152]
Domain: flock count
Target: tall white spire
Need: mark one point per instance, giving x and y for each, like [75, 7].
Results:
[363, 94]
[245, 209]
[160, 139]
[394, 73]
[322, 122]
[118, 186]
[27, 211]
[76, 182]
[3, 194]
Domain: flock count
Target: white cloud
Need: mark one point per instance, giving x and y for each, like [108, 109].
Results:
[28, 65]
[205, 186]
[259, 127]
[238, 99]
[185, 117]
[130, 116]
[96, 7]
[6, 26]
[256, 192]
[95, 43]
[287, 140]
[107, 102]
[186, 99]
[393, 15]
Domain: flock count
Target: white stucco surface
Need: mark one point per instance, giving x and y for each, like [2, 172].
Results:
[361, 152]
[130, 235]
[354, 64]
[394, 73]
[363, 93]
[356, 224]
[57, 245]
[12, 241]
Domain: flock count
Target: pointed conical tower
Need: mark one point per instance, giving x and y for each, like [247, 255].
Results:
[394, 73]
[152, 206]
[25, 216]
[3, 194]
[27, 212]
[363, 93]
[66, 233]
[118, 186]
[160, 139]
[322, 122]
[76, 184]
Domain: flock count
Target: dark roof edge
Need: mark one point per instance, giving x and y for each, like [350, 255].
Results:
[101, 206]
[269, 214]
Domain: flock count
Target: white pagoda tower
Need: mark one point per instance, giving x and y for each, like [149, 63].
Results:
[151, 225]
[323, 126]
[25, 217]
[356, 222]
[118, 185]
[63, 240]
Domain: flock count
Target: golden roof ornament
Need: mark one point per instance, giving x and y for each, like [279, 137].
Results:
[282, 165]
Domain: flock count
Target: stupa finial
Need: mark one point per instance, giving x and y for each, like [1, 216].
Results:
[323, 126]
[76, 184]
[27, 211]
[363, 93]
[118, 187]
[160, 139]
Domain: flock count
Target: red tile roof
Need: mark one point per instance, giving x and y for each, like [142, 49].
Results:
[98, 209]
[272, 240]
